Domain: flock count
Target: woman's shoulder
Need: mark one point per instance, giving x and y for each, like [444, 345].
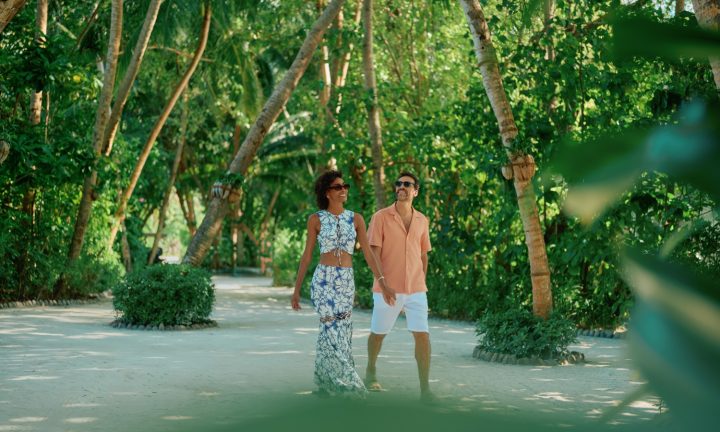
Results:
[357, 217]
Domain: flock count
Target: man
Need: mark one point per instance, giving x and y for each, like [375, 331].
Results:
[399, 237]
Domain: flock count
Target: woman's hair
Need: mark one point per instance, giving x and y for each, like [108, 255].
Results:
[321, 186]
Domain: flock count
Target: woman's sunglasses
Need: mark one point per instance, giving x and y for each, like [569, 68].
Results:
[339, 187]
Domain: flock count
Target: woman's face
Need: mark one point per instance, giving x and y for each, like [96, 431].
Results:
[338, 191]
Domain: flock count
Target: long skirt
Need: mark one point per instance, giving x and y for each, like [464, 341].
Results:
[332, 295]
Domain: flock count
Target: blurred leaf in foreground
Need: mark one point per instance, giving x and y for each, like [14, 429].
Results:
[637, 36]
[675, 337]
[600, 171]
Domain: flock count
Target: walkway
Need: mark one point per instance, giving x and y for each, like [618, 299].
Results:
[64, 368]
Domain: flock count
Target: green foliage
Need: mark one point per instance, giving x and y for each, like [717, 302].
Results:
[519, 332]
[286, 256]
[677, 307]
[90, 275]
[165, 294]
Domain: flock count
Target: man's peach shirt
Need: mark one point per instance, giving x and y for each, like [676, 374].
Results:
[401, 251]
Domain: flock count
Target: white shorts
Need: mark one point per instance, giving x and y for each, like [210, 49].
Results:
[384, 315]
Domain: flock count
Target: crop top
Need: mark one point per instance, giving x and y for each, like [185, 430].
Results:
[337, 233]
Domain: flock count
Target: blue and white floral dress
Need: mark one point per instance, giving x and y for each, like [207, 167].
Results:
[332, 295]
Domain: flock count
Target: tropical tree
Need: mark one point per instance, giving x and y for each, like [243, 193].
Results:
[218, 207]
[708, 16]
[8, 10]
[101, 120]
[521, 167]
[372, 105]
[159, 123]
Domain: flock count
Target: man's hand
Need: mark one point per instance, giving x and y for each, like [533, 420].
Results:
[295, 301]
[388, 295]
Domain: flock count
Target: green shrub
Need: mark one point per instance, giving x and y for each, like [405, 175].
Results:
[287, 251]
[90, 275]
[521, 333]
[165, 294]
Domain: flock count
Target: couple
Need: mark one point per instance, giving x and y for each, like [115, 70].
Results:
[396, 249]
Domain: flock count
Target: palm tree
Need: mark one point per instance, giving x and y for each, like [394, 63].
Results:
[101, 118]
[373, 106]
[8, 10]
[171, 181]
[218, 207]
[160, 122]
[522, 166]
[708, 16]
[130, 75]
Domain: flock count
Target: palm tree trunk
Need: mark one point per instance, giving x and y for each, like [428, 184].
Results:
[127, 193]
[171, 182]
[550, 52]
[218, 207]
[344, 66]
[130, 75]
[522, 166]
[125, 251]
[679, 7]
[28, 206]
[708, 16]
[8, 10]
[41, 19]
[101, 116]
[372, 106]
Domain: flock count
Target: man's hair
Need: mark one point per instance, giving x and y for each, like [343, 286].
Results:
[411, 175]
[321, 186]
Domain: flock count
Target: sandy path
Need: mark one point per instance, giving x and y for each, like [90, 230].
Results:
[64, 368]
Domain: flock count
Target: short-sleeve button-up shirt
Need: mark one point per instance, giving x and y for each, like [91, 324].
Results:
[401, 254]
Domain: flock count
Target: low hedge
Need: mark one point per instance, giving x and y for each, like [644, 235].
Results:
[519, 332]
[165, 294]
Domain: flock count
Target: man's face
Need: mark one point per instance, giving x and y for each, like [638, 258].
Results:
[405, 189]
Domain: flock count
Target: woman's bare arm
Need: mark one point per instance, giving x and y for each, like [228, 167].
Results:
[313, 227]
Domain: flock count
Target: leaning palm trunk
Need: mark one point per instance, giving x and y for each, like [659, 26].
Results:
[40, 36]
[130, 75]
[344, 65]
[218, 206]
[127, 193]
[85, 207]
[8, 10]
[522, 167]
[28, 206]
[372, 106]
[171, 182]
[708, 16]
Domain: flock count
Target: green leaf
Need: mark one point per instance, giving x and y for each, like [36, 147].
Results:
[679, 293]
[641, 37]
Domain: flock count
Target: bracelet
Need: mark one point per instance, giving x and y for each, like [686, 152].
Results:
[380, 278]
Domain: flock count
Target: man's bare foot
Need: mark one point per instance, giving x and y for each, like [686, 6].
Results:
[371, 382]
[428, 398]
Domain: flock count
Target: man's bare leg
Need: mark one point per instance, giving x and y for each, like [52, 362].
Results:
[374, 346]
[422, 356]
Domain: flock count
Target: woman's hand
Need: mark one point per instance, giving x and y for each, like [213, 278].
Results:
[295, 301]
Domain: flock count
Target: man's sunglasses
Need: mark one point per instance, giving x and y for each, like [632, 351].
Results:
[339, 187]
[407, 184]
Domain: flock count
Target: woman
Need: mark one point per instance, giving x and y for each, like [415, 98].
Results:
[333, 285]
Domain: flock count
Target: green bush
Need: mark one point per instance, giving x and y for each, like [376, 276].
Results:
[165, 294]
[287, 250]
[90, 275]
[519, 332]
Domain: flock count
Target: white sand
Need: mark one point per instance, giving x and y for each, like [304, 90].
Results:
[65, 368]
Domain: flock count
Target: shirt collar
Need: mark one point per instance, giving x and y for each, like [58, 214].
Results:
[393, 211]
